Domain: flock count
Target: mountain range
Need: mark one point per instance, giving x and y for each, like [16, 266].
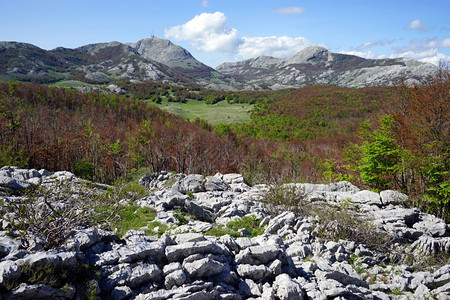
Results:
[159, 59]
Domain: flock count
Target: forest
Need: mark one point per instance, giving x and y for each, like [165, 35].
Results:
[378, 138]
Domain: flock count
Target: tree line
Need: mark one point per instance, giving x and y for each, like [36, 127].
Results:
[379, 138]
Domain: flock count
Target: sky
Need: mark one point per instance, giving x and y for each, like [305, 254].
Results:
[217, 31]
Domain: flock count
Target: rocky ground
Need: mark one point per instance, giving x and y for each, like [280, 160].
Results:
[289, 260]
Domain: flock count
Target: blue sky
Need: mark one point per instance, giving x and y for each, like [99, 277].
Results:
[228, 30]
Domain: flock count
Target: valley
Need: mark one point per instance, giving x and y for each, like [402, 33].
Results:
[134, 171]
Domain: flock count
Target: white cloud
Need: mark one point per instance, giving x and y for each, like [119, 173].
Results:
[436, 59]
[293, 10]
[417, 25]
[431, 55]
[371, 44]
[426, 50]
[205, 3]
[210, 33]
[207, 32]
[368, 55]
[283, 46]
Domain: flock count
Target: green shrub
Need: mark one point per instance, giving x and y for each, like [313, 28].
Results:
[11, 157]
[84, 169]
[330, 222]
[61, 277]
[287, 197]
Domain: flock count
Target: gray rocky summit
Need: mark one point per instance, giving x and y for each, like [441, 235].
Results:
[287, 261]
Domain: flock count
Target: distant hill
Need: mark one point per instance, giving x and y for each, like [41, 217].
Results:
[158, 59]
[317, 65]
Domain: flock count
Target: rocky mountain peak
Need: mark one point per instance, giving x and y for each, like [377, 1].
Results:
[312, 55]
[161, 50]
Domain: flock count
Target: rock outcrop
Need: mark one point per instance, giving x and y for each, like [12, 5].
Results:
[287, 261]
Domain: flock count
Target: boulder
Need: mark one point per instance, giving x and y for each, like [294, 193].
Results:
[275, 224]
[390, 197]
[256, 255]
[176, 278]
[214, 183]
[194, 183]
[256, 273]
[287, 289]
[179, 252]
[203, 268]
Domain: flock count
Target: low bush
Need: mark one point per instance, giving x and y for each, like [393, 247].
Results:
[330, 222]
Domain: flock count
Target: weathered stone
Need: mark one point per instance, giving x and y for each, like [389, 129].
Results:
[172, 267]
[188, 237]
[82, 239]
[191, 183]
[332, 288]
[181, 251]
[141, 251]
[341, 277]
[367, 197]
[214, 183]
[13, 184]
[175, 278]
[143, 274]
[229, 242]
[233, 178]
[121, 292]
[32, 291]
[256, 273]
[286, 288]
[275, 224]
[431, 246]
[132, 277]
[8, 245]
[392, 197]
[197, 211]
[255, 255]
[298, 249]
[54, 259]
[275, 267]
[203, 267]
[9, 271]
[431, 225]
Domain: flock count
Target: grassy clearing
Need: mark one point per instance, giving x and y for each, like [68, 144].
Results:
[221, 112]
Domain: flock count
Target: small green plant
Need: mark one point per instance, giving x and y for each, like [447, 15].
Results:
[219, 230]
[251, 223]
[397, 291]
[190, 195]
[132, 217]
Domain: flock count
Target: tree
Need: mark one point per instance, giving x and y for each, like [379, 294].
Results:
[380, 155]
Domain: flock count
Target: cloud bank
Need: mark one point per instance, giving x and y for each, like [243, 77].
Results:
[210, 33]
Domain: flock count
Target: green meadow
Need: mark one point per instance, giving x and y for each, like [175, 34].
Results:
[221, 112]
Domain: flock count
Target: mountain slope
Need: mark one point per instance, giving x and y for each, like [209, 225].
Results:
[317, 65]
[158, 59]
